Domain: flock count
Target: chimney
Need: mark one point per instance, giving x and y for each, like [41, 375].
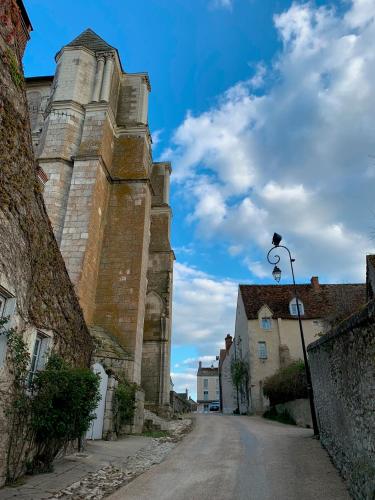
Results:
[200, 364]
[315, 283]
[187, 393]
[228, 342]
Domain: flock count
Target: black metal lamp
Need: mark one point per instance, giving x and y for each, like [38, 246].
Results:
[276, 240]
[276, 273]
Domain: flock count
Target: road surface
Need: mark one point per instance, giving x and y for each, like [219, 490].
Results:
[233, 457]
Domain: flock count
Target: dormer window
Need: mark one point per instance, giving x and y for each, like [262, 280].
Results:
[266, 323]
[293, 308]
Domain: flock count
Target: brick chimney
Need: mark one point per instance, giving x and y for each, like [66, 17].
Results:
[315, 283]
[228, 342]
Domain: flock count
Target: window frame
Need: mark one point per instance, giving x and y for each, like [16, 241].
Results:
[205, 383]
[42, 342]
[293, 307]
[262, 350]
[8, 305]
[266, 318]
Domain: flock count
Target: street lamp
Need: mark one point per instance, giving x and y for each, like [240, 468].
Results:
[276, 273]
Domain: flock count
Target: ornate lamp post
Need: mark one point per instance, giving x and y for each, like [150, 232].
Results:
[276, 273]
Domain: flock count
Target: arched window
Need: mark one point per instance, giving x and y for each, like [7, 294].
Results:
[293, 307]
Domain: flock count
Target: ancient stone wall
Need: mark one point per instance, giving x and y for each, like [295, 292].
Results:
[32, 270]
[343, 375]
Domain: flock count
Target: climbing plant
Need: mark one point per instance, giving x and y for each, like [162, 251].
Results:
[239, 372]
[16, 402]
[44, 414]
[124, 403]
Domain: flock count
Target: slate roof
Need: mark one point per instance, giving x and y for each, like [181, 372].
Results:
[319, 301]
[92, 41]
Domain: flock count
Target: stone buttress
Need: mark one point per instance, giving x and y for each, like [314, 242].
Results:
[91, 138]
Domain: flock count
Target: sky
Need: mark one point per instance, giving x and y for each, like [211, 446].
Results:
[266, 111]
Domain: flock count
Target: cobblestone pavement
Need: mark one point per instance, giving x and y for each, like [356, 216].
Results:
[241, 458]
[104, 467]
[108, 479]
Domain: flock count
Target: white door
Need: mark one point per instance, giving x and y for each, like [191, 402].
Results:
[95, 430]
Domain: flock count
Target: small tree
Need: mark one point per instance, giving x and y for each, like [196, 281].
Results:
[64, 399]
[286, 384]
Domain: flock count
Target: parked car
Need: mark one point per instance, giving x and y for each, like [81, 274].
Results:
[214, 406]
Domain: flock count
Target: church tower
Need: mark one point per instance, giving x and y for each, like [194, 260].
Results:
[108, 202]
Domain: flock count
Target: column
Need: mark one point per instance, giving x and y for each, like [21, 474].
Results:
[98, 79]
[106, 86]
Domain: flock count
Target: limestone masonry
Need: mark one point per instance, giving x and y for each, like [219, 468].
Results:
[108, 203]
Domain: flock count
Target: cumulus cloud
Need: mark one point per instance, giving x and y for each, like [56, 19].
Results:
[295, 158]
[203, 311]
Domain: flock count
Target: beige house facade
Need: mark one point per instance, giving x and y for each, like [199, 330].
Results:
[267, 335]
[208, 387]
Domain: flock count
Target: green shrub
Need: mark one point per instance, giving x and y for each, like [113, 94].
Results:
[124, 403]
[239, 372]
[286, 384]
[63, 403]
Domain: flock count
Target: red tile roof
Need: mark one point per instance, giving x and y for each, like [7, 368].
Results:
[319, 301]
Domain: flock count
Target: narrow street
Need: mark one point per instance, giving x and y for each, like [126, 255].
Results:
[229, 457]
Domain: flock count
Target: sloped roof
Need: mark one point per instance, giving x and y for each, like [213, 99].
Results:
[90, 40]
[208, 372]
[319, 301]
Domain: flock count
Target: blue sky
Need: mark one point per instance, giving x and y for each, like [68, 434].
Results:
[265, 109]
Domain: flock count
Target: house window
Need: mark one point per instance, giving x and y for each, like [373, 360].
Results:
[293, 308]
[266, 323]
[39, 354]
[205, 383]
[262, 350]
[205, 395]
[7, 306]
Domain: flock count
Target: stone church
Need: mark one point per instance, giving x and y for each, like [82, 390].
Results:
[108, 203]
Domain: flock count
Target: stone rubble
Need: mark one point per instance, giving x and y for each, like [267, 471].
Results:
[97, 485]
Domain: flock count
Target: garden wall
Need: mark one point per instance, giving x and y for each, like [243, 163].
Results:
[299, 410]
[343, 374]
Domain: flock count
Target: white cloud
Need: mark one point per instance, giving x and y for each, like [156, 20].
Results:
[295, 158]
[203, 311]
[226, 4]
[156, 137]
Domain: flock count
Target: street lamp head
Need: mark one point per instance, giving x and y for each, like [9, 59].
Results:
[276, 273]
[276, 239]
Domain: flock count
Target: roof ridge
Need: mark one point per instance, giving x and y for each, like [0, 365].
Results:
[91, 40]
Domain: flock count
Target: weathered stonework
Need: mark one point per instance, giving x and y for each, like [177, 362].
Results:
[33, 277]
[342, 366]
[108, 203]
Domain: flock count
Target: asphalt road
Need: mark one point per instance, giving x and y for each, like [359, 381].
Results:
[232, 457]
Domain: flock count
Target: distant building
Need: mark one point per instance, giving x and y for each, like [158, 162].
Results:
[267, 333]
[208, 388]
[182, 403]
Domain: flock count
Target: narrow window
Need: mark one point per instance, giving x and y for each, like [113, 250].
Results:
[39, 355]
[205, 383]
[293, 308]
[7, 306]
[262, 350]
[205, 395]
[266, 323]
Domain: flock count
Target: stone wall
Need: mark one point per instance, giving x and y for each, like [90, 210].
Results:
[179, 404]
[299, 410]
[343, 375]
[32, 271]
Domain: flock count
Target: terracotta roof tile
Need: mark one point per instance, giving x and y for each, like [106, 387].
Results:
[319, 301]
